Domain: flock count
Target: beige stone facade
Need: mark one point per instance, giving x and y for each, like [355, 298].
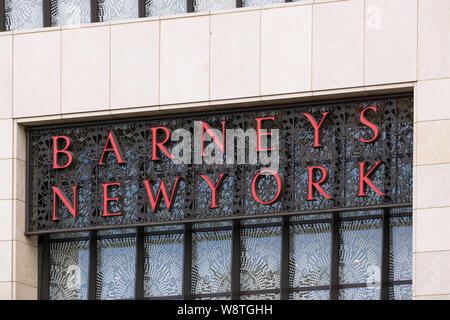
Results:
[299, 51]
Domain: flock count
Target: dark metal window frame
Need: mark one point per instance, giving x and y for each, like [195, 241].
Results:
[235, 293]
[2, 16]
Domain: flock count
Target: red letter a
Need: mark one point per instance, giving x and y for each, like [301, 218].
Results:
[114, 147]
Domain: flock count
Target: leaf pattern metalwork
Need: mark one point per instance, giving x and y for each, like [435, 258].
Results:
[340, 153]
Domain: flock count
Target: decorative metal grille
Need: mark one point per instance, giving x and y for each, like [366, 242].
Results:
[340, 152]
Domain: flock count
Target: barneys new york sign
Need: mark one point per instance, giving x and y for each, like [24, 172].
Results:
[296, 158]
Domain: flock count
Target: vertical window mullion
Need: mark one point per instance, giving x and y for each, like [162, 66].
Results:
[187, 261]
[142, 9]
[47, 13]
[92, 287]
[236, 260]
[44, 292]
[334, 271]
[94, 11]
[385, 255]
[190, 6]
[284, 272]
[139, 276]
[2, 16]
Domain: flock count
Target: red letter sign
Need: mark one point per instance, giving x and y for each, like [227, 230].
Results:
[213, 189]
[364, 178]
[114, 147]
[72, 208]
[63, 150]
[221, 145]
[316, 184]
[316, 127]
[106, 199]
[259, 134]
[277, 178]
[369, 124]
[161, 189]
[160, 144]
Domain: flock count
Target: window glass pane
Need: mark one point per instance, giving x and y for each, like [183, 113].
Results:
[69, 267]
[260, 3]
[310, 295]
[360, 251]
[202, 5]
[71, 12]
[265, 296]
[365, 293]
[400, 255]
[401, 292]
[68, 235]
[110, 10]
[116, 264]
[214, 298]
[163, 265]
[310, 251]
[260, 258]
[165, 7]
[211, 262]
[23, 14]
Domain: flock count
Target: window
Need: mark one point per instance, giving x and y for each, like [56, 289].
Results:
[340, 255]
[29, 14]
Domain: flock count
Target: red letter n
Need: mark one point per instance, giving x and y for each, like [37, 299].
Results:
[219, 144]
[73, 208]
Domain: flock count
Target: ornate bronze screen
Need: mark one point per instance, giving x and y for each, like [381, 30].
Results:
[340, 153]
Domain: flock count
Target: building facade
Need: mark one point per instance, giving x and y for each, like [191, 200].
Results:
[349, 94]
